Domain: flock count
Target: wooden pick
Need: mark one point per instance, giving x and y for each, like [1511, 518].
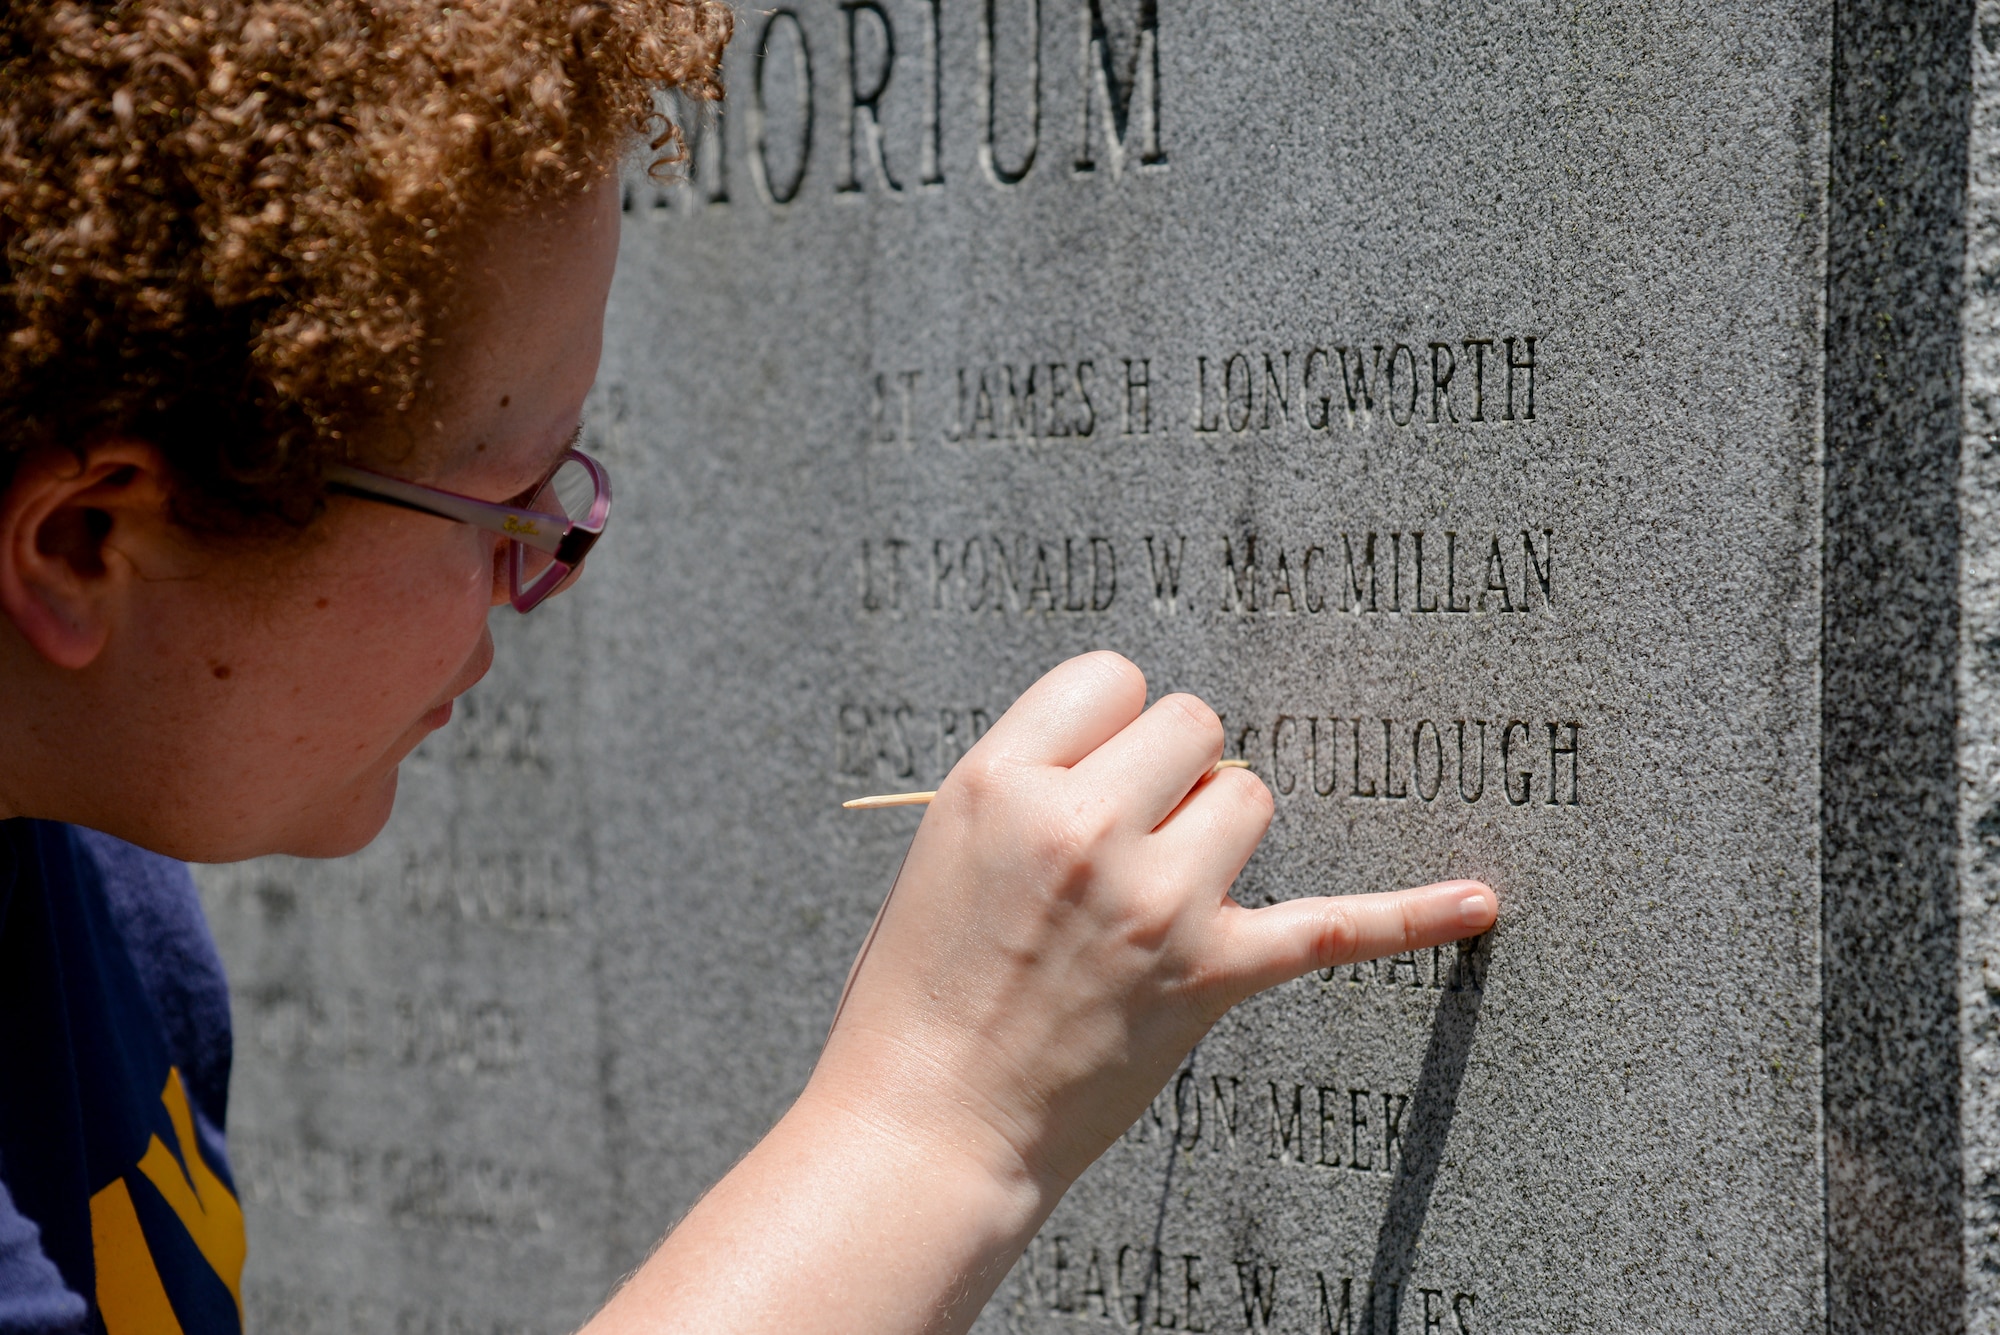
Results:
[881, 800]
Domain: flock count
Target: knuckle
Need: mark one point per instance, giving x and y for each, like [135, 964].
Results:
[1253, 793]
[1336, 937]
[1114, 674]
[979, 779]
[1067, 840]
[1193, 714]
[1410, 921]
[1246, 800]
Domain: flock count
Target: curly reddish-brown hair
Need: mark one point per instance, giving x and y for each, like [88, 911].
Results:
[225, 225]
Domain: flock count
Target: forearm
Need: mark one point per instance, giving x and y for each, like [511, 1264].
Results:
[840, 1220]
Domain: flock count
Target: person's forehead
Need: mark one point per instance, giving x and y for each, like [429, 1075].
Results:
[518, 345]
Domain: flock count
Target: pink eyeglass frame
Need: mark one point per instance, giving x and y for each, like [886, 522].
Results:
[565, 540]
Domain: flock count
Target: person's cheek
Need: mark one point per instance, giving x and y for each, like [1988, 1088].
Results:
[462, 587]
[485, 586]
[436, 640]
[500, 580]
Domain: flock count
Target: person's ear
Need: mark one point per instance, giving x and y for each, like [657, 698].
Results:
[69, 526]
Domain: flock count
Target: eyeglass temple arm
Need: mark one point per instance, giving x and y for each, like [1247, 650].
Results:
[543, 532]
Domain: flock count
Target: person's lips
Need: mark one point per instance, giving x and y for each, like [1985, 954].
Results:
[438, 717]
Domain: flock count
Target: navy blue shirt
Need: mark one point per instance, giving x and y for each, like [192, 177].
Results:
[117, 1211]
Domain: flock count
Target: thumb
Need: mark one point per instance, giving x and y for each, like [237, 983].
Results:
[1265, 947]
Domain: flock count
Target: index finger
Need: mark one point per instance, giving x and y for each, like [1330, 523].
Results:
[1268, 946]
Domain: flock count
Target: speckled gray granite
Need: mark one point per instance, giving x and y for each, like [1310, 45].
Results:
[1562, 442]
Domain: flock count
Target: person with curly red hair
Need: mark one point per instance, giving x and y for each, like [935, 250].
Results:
[299, 305]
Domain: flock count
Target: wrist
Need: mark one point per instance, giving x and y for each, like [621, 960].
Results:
[877, 1203]
[908, 1106]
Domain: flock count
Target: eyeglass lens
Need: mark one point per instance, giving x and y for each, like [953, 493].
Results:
[569, 493]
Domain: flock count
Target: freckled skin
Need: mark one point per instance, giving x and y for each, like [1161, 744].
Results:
[203, 723]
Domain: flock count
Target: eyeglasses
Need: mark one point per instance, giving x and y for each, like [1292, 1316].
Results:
[547, 538]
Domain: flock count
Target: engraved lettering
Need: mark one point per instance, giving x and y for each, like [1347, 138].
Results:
[1203, 425]
[781, 187]
[1277, 388]
[1093, 1287]
[1138, 396]
[1428, 792]
[932, 163]
[1118, 85]
[1409, 407]
[1329, 1128]
[1360, 396]
[1442, 368]
[989, 64]
[1359, 1106]
[1509, 774]
[1356, 790]
[1285, 1131]
[1451, 603]
[1525, 364]
[1187, 1099]
[1330, 1321]
[1542, 573]
[1393, 1107]
[1417, 539]
[1354, 573]
[1557, 750]
[1389, 790]
[1281, 585]
[1324, 399]
[1496, 580]
[1479, 787]
[1477, 347]
[1166, 566]
[1242, 586]
[1413, 760]
[882, 574]
[864, 127]
[1282, 781]
[1257, 1285]
[1332, 760]
[1231, 399]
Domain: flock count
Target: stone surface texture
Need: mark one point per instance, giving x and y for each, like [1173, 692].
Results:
[1978, 685]
[1055, 341]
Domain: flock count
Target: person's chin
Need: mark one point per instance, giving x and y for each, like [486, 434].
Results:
[350, 828]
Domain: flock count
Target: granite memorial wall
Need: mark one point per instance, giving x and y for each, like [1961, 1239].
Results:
[1559, 441]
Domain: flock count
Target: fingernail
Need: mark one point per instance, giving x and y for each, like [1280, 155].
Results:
[1475, 911]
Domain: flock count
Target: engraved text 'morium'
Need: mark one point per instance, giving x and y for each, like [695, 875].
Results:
[850, 98]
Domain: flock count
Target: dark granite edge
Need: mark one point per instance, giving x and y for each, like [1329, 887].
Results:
[1889, 643]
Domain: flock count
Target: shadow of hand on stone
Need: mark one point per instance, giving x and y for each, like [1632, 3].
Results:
[1435, 1103]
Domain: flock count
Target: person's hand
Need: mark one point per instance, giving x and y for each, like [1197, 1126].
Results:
[1062, 932]
[1060, 936]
